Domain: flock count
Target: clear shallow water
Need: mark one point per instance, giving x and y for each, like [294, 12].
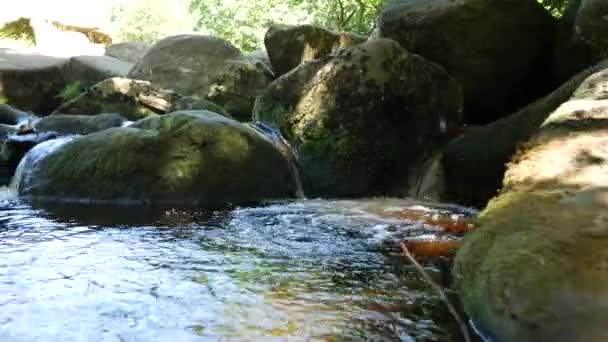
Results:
[300, 271]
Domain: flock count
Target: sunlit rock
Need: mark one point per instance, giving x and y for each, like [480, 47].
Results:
[535, 269]
[363, 119]
[290, 46]
[194, 158]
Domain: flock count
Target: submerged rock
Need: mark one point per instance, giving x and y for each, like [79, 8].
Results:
[194, 158]
[78, 124]
[497, 49]
[290, 46]
[534, 269]
[362, 119]
[204, 66]
[12, 149]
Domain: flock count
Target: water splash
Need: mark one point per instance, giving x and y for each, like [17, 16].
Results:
[30, 161]
[286, 150]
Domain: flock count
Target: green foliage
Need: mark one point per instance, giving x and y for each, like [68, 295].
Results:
[19, 29]
[556, 7]
[150, 20]
[71, 91]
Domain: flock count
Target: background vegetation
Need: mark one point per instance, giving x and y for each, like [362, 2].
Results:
[243, 22]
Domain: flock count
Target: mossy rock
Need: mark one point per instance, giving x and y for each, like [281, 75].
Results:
[290, 46]
[133, 99]
[78, 124]
[535, 269]
[362, 119]
[193, 158]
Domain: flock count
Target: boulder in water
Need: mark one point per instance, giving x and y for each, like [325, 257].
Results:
[194, 158]
[204, 66]
[362, 119]
[535, 269]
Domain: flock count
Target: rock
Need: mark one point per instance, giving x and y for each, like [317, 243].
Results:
[12, 116]
[78, 124]
[261, 60]
[497, 49]
[534, 269]
[130, 52]
[89, 70]
[12, 149]
[133, 99]
[470, 169]
[581, 40]
[204, 66]
[290, 46]
[197, 103]
[193, 158]
[362, 119]
[31, 82]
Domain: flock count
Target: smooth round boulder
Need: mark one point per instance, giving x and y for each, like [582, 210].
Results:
[89, 70]
[497, 49]
[534, 269]
[204, 66]
[193, 158]
[289, 46]
[362, 119]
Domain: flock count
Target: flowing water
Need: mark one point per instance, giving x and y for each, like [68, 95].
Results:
[306, 270]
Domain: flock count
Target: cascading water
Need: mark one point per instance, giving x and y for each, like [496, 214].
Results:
[31, 160]
[285, 148]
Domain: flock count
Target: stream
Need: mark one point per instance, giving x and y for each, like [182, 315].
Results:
[305, 270]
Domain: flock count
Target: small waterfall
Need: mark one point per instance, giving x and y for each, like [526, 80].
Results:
[33, 157]
[285, 148]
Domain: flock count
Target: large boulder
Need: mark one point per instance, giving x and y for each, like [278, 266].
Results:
[31, 82]
[361, 119]
[289, 46]
[134, 99]
[89, 70]
[130, 52]
[582, 37]
[186, 158]
[535, 269]
[78, 124]
[469, 170]
[204, 66]
[497, 49]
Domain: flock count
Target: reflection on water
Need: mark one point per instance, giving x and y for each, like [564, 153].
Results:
[299, 271]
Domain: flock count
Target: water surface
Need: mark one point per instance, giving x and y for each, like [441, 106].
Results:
[308, 270]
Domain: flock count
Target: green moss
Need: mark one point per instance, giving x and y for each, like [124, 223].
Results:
[71, 91]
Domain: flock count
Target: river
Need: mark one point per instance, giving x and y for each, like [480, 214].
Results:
[305, 270]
